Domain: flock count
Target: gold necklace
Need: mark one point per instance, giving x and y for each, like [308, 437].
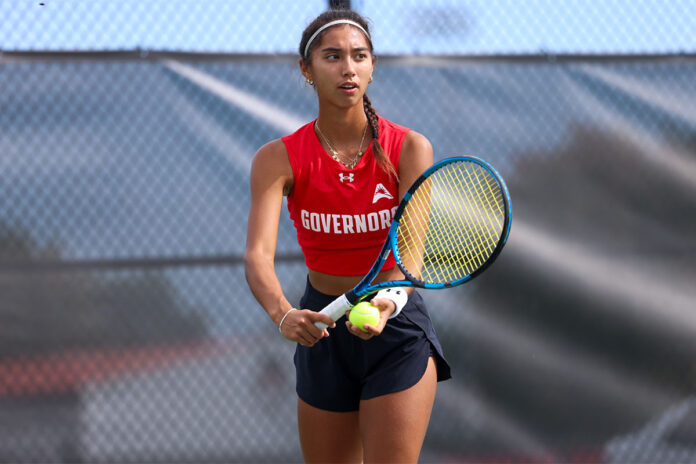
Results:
[334, 154]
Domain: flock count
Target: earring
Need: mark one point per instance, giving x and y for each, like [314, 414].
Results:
[309, 81]
[370, 81]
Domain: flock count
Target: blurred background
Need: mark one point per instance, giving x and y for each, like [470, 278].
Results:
[127, 331]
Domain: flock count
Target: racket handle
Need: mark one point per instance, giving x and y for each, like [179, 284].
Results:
[335, 310]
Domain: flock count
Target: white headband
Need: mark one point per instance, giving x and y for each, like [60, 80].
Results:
[333, 23]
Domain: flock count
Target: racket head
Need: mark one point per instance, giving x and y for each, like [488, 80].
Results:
[452, 223]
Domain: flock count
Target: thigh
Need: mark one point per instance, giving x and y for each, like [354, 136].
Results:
[393, 426]
[328, 436]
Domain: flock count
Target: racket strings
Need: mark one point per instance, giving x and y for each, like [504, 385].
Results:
[481, 216]
[459, 251]
[413, 229]
[485, 189]
[452, 224]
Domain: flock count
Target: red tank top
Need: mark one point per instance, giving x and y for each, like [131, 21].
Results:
[342, 215]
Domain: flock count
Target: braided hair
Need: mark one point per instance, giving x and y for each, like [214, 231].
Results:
[331, 15]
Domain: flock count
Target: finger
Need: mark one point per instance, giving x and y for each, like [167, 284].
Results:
[305, 323]
[312, 330]
[384, 305]
[366, 334]
[372, 330]
[306, 340]
[386, 309]
[305, 337]
[355, 330]
[319, 317]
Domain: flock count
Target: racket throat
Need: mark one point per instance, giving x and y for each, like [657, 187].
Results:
[352, 297]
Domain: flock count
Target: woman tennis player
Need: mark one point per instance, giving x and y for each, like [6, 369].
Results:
[363, 396]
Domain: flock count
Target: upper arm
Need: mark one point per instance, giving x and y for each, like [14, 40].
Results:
[271, 177]
[416, 156]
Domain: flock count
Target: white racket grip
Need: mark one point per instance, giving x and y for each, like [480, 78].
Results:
[335, 310]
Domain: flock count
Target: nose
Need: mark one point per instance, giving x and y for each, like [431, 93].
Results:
[348, 67]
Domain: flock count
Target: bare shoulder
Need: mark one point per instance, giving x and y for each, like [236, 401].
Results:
[271, 163]
[417, 141]
[416, 154]
[272, 153]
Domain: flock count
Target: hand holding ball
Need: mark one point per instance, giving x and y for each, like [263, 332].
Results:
[364, 313]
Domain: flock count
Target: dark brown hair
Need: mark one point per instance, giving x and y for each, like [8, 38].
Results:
[331, 15]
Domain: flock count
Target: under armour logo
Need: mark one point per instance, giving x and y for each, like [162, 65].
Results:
[381, 192]
[350, 177]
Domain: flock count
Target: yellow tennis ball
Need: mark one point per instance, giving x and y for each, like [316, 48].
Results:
[364, 313]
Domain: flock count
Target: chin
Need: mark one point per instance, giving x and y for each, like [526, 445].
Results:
[349, 102]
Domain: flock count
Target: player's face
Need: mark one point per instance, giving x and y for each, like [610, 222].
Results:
[341, 66]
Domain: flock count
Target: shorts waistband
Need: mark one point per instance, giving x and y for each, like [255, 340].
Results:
[313, 298]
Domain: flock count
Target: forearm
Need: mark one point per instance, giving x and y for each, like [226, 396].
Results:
[265, 286]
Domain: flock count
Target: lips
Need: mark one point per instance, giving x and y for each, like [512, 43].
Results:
[349, 88]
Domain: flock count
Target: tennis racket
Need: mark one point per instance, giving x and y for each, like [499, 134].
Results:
[450, 226]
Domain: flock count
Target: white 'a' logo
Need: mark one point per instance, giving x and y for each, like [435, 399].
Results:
[381, 192]
[350, 177]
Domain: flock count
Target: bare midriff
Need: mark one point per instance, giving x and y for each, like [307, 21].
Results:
[338, 285]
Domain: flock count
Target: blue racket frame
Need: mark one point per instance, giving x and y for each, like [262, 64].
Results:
[390, 245]
[343, 303]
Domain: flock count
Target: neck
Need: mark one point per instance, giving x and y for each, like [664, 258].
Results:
[344, 126]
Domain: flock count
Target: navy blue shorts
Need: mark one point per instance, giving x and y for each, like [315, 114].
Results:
[339, 371]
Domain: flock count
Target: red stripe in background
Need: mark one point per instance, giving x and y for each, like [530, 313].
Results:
[70, 370]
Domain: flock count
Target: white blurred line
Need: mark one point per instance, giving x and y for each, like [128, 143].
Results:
[211, 130]
[678, 103]
[543, 353]
[275, 116]
[664, 298]
[679, 164]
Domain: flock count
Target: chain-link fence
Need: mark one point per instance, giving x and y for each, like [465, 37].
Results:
[127, 331]
[443, 27]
